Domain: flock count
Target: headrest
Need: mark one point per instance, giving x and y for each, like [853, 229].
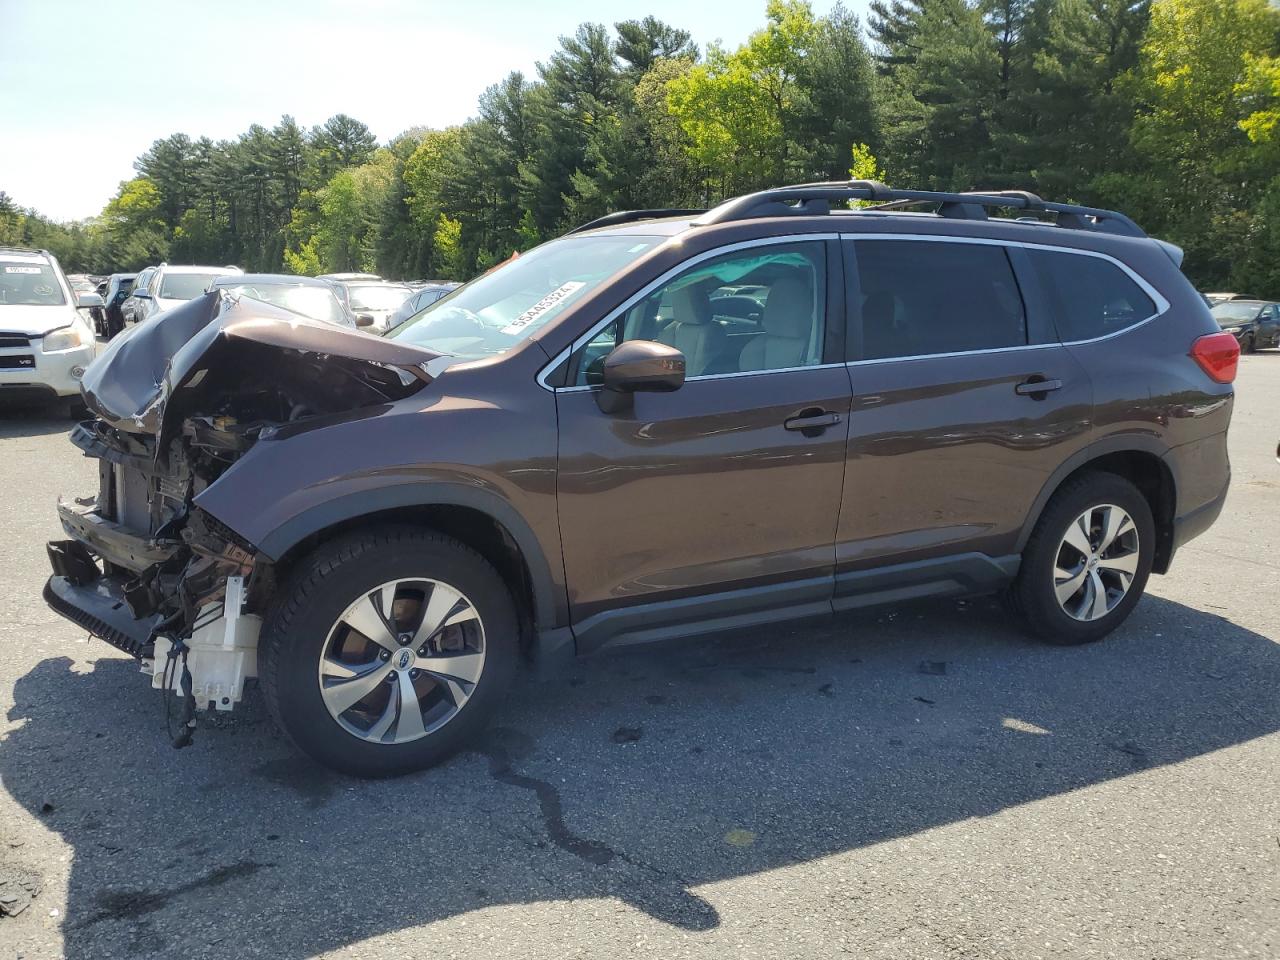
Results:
[690, 304]
[789, 310]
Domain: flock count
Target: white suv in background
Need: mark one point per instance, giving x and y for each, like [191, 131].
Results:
[45, 340]
[168, 286]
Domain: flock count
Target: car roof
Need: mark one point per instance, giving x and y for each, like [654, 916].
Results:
[271, 278]
[195, 268]
[35, 255]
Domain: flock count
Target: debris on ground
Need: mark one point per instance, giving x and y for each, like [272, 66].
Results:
[18, 888]
[627, 734]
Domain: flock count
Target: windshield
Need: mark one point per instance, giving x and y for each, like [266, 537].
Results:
[1234, 311]
[386, 297]
[495, 311]
[185, 286]
[318, 303]
[29, 282]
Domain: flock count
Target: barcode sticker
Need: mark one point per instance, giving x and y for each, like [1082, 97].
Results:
[542, 306]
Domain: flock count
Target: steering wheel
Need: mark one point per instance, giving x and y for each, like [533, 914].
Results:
[42, 289]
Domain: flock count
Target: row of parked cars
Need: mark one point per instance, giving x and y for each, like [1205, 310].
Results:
[347, 299]
[49, 321]
[1255, 323]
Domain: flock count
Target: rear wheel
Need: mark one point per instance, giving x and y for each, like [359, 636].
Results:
[384, 652]
[1087, 561]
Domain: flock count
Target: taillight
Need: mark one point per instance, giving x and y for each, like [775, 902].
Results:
[1218, 355]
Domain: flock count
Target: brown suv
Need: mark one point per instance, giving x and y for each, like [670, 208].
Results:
[653, 427]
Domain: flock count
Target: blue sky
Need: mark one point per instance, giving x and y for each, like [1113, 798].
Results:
[89, 84]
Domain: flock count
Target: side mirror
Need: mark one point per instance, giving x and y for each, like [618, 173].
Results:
[87, 301]
[364, 320]
[141, 294]
[639, 366]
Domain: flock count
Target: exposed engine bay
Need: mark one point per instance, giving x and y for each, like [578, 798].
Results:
[177, 401]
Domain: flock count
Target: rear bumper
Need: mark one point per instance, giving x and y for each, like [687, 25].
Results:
[1202, 477]
[1191, 525]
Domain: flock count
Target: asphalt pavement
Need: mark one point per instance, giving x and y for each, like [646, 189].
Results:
[915, 782]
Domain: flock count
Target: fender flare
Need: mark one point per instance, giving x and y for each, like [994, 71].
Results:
[1116, 443]
[353, 506]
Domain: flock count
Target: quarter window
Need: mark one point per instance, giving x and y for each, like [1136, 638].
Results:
[1090, 297]
[921, 298]
[758, 309]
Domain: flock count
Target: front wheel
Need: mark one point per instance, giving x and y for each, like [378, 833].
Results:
[385, 651]
[1249, 345]
[1087, 561]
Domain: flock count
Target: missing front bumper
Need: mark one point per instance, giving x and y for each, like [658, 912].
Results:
[221, 653]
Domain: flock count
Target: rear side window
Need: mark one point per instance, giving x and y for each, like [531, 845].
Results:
[1090, 297]
[921, 298]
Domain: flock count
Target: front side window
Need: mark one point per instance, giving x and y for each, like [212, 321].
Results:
[1090, 297]
[501, 308]
[378, 297]
[29, 282]
[921, 298]
[316, 302]
[185, 286]
[758, 309]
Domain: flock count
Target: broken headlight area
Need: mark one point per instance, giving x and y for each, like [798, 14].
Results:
[178, 402]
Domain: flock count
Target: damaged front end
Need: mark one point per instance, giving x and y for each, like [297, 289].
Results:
[177, 401]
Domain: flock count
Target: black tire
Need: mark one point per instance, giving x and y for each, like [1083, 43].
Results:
[1249, 345]
[314, 596]
[1032, 594]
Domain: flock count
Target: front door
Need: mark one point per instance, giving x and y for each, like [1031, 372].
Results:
[964, 404]
[717, 503]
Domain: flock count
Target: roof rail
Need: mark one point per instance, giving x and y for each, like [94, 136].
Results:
[630, 216]
[814, 199]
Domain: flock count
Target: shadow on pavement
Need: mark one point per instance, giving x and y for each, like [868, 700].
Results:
[639, 777]
[33, 420]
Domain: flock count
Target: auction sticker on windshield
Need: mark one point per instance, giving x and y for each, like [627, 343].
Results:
[542, 306]
[23, 270]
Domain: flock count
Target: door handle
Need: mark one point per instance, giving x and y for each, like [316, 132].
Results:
[812, 422]
[1036, 387]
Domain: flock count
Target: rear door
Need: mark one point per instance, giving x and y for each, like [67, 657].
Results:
[964, 403]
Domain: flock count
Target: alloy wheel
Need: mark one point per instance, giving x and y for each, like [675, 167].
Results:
[402, 660]
[1096, 562]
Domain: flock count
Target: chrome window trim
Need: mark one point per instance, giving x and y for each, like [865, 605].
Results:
[584, 387]
[659, 281]
[1161, 303]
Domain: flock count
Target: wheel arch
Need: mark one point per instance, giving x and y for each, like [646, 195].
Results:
[477, 518]
[1141, 461]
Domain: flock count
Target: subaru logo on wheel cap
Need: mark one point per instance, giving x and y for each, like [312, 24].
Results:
[404, 659]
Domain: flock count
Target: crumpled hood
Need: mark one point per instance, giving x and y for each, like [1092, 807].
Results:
[130, 383]
[35, 321]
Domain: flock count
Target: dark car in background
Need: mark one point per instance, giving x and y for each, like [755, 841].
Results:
[303, 295]
[118, 286]
[424, 294]
[1254, 323]
[654, 427]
